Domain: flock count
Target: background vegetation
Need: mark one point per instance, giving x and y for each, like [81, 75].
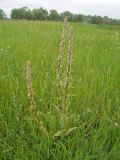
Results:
[95, 96]
[43, 14]
[53, 15]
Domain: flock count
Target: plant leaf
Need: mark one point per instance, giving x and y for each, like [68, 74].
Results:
[70, 130]
[58, 133]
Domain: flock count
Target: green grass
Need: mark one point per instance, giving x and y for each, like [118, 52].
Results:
[95, 96]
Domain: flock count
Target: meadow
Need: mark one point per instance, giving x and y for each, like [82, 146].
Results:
[94, 95]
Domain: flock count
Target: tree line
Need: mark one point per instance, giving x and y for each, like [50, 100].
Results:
[54, 15]
[2, 14]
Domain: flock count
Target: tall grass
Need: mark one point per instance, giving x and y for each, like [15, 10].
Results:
[62, 84]
[93, 93]
[64, 70]
[34, 112]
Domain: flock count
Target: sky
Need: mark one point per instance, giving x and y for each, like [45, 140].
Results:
[110, 8]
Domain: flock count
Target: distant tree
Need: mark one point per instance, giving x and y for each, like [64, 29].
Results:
[25, 13]
[67, 14]
[54, 15]
[107, 20]
[80, 17]
[96, 20]
[2, 14]
[40, 14]
[88, 19]
[45, 14]
[29, 15]
[19, 13]
[76, 17]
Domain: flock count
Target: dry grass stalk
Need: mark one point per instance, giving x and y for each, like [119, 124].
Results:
[60, 62]
[30, 87]
[36, 116]
[68, 69]
[63, 83]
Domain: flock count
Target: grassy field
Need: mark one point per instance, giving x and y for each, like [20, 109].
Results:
[95, 92]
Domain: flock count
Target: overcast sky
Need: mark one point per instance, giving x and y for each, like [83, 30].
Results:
[109, 8]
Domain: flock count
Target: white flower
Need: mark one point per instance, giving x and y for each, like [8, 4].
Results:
[89, 110]
[116, 124]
